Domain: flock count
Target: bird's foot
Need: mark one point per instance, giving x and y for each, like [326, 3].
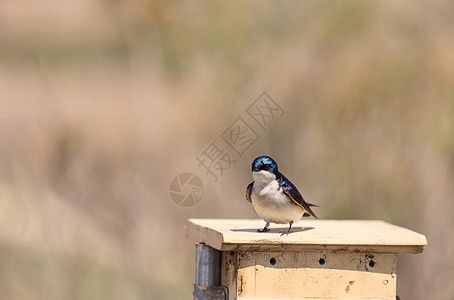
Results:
[282, 232]
[263, 230]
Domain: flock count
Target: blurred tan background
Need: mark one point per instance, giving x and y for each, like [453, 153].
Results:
[103, 102]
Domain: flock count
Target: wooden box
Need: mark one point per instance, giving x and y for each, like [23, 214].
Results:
[321, 259]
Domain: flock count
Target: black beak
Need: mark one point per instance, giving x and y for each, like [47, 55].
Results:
[256, 170]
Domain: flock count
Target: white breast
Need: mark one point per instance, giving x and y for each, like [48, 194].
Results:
[270, 203]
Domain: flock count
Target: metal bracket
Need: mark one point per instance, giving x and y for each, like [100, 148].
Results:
[208, 274]
[210, 292]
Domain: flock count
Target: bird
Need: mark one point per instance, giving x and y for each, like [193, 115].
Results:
[274, 197]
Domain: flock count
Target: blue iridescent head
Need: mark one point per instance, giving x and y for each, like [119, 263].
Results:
[264, 163]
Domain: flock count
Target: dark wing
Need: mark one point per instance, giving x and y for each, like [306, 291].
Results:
[306, 214]
[292, 192]
[248, 191]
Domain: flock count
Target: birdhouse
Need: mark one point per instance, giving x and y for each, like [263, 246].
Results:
[320, 259]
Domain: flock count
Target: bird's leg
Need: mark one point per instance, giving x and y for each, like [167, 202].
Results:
[265, 229]
[289, 229]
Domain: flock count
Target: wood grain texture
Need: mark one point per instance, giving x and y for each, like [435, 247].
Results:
[344, 235]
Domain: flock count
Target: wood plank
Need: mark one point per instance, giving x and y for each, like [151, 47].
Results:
[348, 235]
[297, 275]
[229, 272]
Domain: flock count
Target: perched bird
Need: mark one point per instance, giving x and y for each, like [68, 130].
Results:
[274, 197]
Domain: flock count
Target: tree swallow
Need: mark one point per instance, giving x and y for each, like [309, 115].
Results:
[274, 197]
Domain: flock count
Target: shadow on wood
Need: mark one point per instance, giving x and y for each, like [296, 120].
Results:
[273, 230]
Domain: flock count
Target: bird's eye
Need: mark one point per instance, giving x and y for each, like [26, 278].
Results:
[267, 167]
